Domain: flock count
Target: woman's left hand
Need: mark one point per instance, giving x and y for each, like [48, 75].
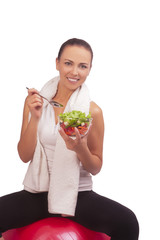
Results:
[74, 144]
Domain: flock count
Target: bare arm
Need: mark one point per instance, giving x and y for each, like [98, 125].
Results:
[91, 154]
[90, 148]
[28, 139]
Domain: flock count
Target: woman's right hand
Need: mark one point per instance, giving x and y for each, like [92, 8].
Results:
[34, 103]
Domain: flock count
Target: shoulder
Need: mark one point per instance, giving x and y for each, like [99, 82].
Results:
[95, 110]
[97, 115]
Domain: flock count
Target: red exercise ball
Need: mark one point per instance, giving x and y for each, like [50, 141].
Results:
[54, 229]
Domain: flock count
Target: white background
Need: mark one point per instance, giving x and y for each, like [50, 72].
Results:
[124, 82]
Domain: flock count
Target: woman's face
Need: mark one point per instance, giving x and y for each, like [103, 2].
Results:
[74, 66]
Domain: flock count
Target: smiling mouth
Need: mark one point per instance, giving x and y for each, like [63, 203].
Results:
[73, 79]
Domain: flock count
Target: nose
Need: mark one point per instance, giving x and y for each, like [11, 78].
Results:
[74, 71]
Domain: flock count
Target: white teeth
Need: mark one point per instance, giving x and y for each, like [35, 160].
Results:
[72, 80]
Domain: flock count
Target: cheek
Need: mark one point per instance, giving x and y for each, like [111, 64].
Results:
[84, 74]
[64, 70]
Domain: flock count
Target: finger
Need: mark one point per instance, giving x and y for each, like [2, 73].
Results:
[86, 135]
[63, 134]
[35, 105]
[32, 101]
[32, 91]
[78, 136]
[36, 98]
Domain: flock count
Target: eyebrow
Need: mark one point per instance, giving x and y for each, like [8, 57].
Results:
[72, 61]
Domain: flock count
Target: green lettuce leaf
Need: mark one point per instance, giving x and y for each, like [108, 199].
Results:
[74, 118]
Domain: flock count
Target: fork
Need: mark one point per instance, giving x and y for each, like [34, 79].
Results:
[52, 102]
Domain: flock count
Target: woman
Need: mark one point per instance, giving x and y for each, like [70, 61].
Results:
[93, 211]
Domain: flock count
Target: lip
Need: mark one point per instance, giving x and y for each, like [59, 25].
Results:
[73, 80]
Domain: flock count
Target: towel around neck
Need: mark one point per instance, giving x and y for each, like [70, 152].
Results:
[62, 185]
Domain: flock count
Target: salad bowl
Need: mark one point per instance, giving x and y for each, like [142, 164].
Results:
[75, 119]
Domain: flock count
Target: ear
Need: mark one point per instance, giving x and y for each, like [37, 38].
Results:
[57, 64]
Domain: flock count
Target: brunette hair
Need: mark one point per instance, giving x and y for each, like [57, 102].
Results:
[75, 42]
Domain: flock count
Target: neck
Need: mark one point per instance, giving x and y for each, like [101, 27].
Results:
[63, 94]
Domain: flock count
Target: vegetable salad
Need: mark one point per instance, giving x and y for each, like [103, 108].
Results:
[69, 120]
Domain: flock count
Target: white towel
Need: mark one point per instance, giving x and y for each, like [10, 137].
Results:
[62, 186]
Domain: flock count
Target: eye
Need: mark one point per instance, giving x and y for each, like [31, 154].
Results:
[67, 63]
[83, 66]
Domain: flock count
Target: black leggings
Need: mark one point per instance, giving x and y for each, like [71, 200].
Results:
[93, 211]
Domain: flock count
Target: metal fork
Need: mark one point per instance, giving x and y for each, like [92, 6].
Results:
[52, 102]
